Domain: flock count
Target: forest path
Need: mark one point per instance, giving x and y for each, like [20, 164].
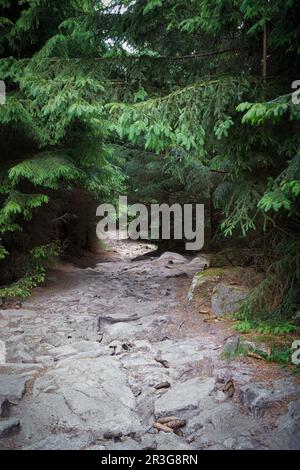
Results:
[85, 353]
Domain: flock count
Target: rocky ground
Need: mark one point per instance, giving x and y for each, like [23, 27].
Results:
[98, 356]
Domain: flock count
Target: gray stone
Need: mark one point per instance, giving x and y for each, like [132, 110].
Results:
[96, 393]
[127, 444]
[148, 442]
[12, 387]
[123, 332]
[181, 352]
[231, 346]
[2, 352]
[199, 262]
[96, 447]
[4, 407]
[297, 318]
[227, 299]
[260, 397]
[63, 442]
[171, 442]
[213, 447]
[15, 313]
[184, 396]
[75, 348]
[25, 358]
[289, 427]
[45, 360]
[255, 346]
[8, 426]
[194, 425]
[230, 443]
[247, 443]
[170, 256]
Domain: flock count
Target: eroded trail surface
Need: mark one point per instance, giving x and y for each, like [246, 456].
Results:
[83, 357]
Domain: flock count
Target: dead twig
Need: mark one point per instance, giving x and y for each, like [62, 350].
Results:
[163, 362]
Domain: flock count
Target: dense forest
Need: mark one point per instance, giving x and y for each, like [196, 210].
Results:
[165, 101]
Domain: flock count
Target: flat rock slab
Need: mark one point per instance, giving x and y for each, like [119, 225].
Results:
[63, 442]
[171, 442]
[184, 396]
[96, 393]
[12, 387]
[8, 426]
[181, 352]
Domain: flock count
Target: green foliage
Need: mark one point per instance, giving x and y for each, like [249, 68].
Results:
[3, 252]
[243, 326]
[279, 355]
[264, 327]
[34, 272]
[52, 132]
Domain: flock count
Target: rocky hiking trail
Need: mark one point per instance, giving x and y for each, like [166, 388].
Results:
[114, 357]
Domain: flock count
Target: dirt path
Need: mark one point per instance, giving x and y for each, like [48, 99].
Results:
[85, 353]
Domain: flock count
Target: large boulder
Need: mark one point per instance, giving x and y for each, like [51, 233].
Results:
[96, 392]
[227, 298]
[207, 279]
[260, 397]
[289, 427]
[203, 281]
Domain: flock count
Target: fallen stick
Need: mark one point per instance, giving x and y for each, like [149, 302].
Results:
[163, 362]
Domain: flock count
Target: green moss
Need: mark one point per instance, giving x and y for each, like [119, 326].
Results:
[215, 272]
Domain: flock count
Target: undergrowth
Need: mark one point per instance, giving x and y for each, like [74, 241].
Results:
[34, 274]
[267, 327]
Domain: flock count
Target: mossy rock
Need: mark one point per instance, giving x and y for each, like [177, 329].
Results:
[227, 299]
[205, 280]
